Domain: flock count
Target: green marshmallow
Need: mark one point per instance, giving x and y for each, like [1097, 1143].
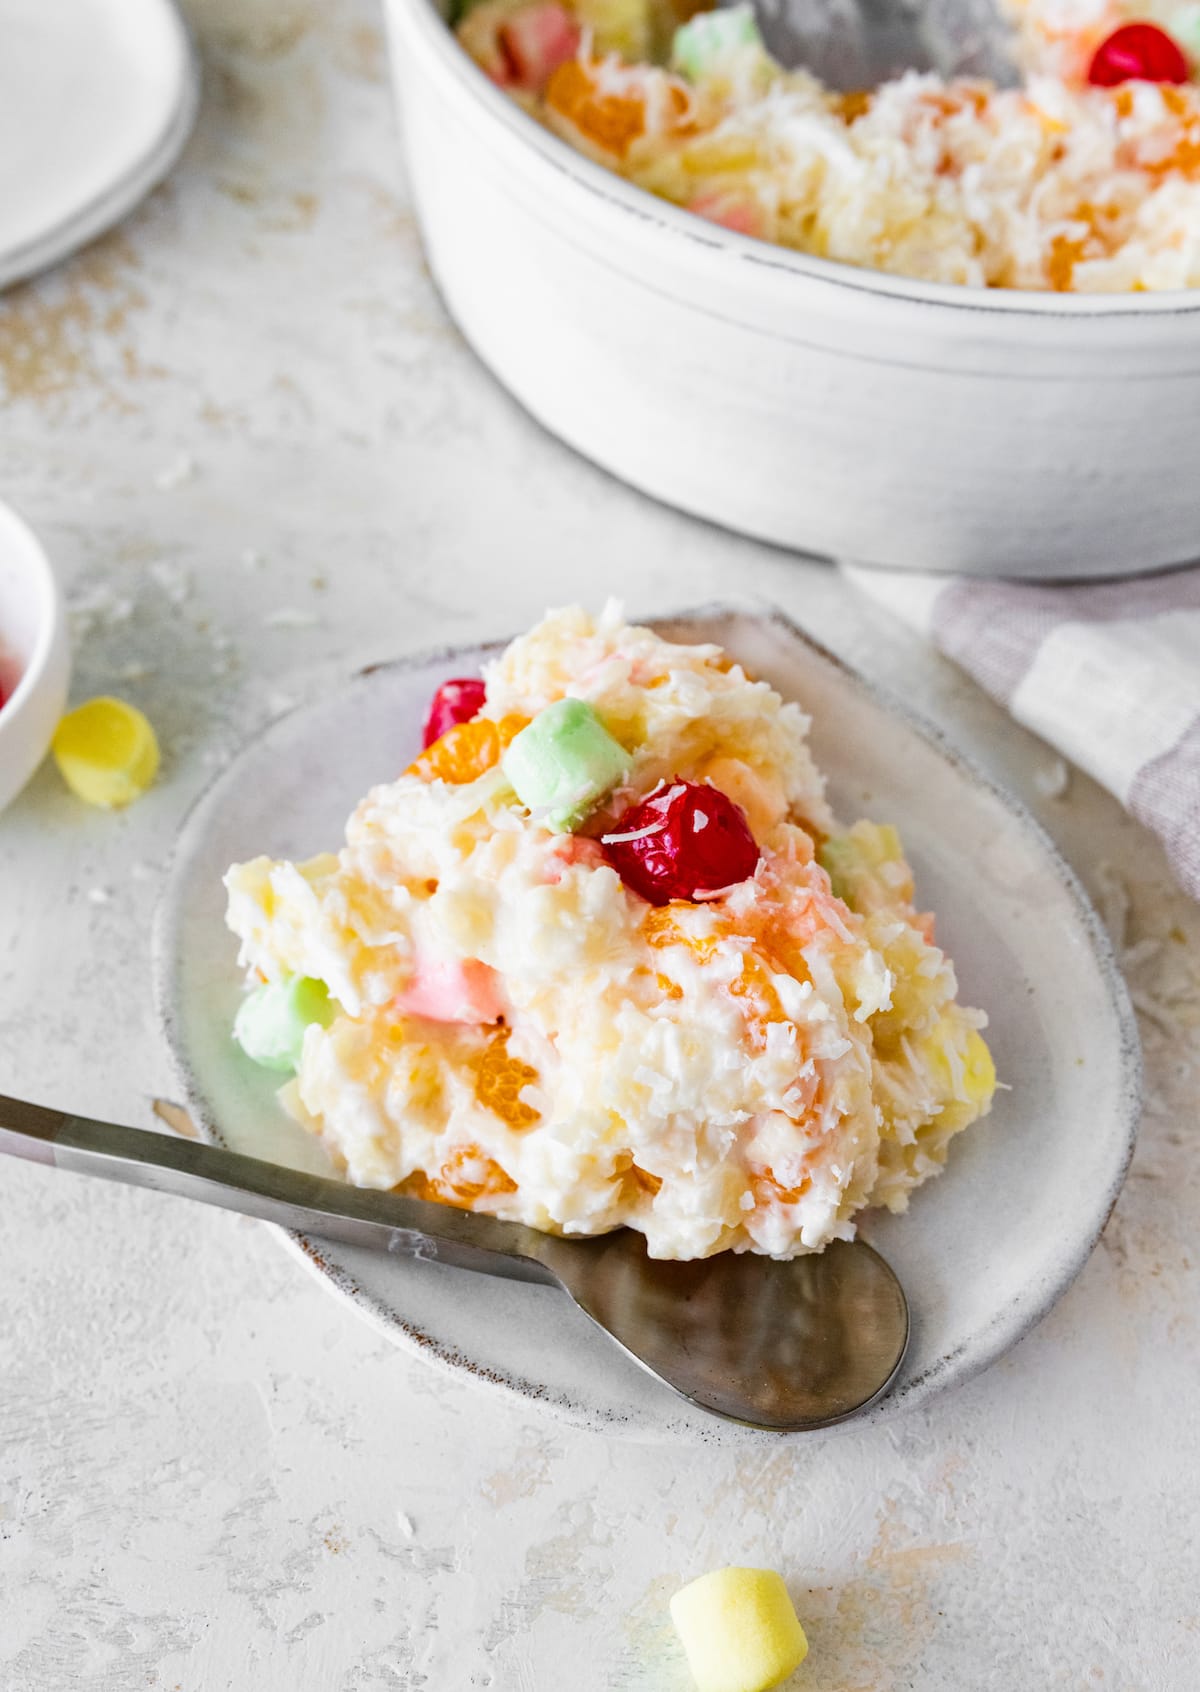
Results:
[709, 36]
[563, 763]
[270, 1023]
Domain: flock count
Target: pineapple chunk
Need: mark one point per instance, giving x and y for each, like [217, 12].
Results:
[962, 1067]
[618, 26]
[866, 866]
[739, 1630]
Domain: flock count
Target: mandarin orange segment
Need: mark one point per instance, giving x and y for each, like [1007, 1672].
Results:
[499, 1078]
[467, 751]
[855, 103]
[1184, 158]
[508, 728]
[755, 983]
[1180, 102]
[767, 1190]
[466, 1176]
[609, 121]
[1065, 254]
[651, 1184]
[760, 1001]
[419, 1186]
[632, 1175]
[661, 928]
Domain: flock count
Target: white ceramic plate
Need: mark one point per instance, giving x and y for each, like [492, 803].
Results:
[97, 98]
[983, 1252]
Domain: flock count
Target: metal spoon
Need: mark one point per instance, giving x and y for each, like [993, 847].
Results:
[785, 1346]
[858, 44]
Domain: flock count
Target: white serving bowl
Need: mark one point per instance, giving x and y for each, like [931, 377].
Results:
[35, 662]
[823, 407]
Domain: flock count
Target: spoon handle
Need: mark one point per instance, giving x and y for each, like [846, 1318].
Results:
[308, 1204]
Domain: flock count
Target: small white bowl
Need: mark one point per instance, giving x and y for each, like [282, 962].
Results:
[838, 410]
[35, 660]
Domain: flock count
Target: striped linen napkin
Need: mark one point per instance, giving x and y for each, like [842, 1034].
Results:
[1108, 672]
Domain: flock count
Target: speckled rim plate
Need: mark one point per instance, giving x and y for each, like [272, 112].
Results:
[983, 1252]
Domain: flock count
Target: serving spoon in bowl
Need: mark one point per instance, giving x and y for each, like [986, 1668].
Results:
[787, 1346]
[854, 45]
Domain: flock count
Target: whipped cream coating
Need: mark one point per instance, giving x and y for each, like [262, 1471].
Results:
[518, 1032]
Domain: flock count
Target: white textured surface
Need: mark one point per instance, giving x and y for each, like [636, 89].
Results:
[261, 457]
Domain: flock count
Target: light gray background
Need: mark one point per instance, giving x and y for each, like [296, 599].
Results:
[261, 457]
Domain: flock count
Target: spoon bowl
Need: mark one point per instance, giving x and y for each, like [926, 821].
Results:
[852, 45]
[791, 1346]
[786, 1346]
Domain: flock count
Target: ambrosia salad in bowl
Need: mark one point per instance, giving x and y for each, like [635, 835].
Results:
[602, 957]
[1085, 178]
[937, 325]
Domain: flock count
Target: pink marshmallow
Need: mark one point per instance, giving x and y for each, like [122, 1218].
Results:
[738, 215]
[535, 41]
[449, 990]
[569, 850]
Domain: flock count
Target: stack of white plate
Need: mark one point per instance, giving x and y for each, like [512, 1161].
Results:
[97, 98]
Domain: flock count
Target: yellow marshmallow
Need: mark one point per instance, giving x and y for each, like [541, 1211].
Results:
[739, 1630]
[106, 752]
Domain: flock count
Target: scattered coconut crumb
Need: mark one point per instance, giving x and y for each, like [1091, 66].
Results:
[404, 1523]
[175, 583]
[98, 895]
[99, 607]
[134, 672]
[290, 617]
[1162, 1016]
[1145, 951]
[1112, 896]
[252, 559]
[1053, 779]
[180, 470]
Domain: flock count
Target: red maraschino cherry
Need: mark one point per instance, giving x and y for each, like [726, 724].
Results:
[1138, 52]
[454, 702]
[686, 840]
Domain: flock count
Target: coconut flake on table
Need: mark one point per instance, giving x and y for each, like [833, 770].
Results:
[181, 469]
[290, 617]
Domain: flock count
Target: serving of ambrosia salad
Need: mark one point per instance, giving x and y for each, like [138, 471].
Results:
[603, 957]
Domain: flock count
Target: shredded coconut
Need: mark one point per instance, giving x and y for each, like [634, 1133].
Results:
[518, 1032]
